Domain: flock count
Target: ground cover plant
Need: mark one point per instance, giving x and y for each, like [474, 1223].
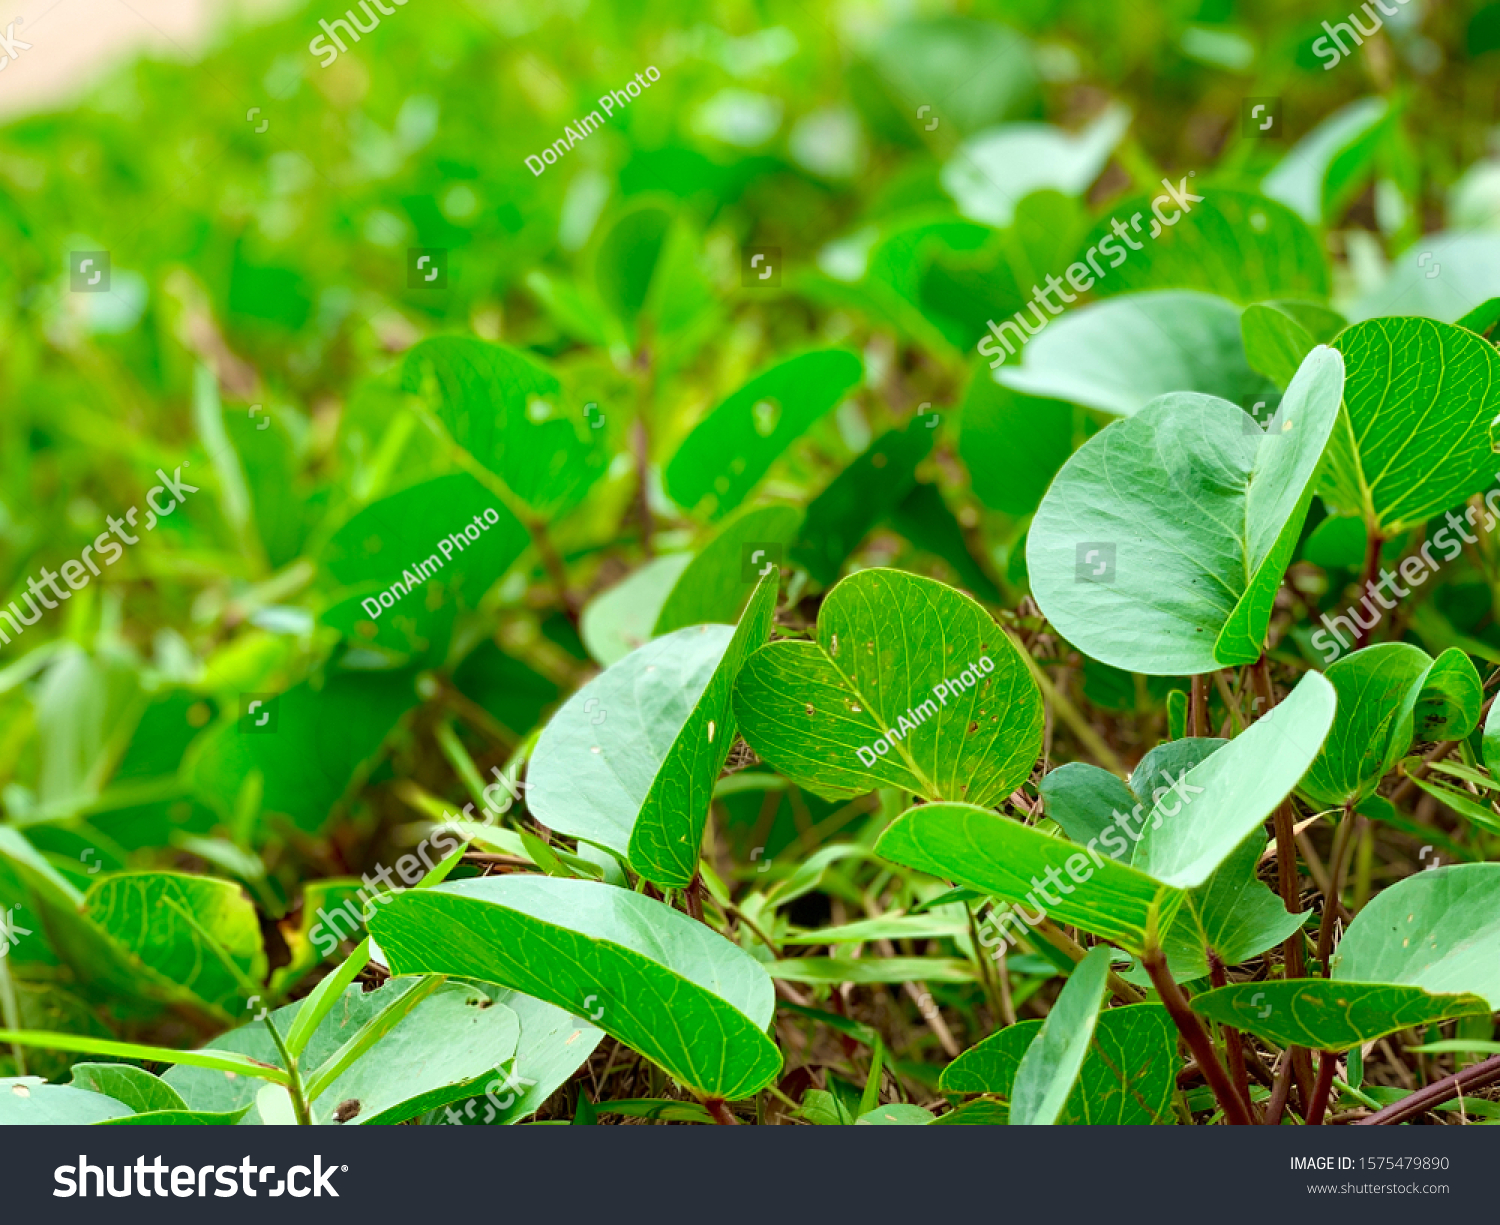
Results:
[903, 569]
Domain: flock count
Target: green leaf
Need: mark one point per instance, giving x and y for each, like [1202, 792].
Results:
[411, 549]
[990, 173]
[1233, 913]
[714, 586]
[397, 1008]
[754, 426]
[1490, 743]
[1377, 691]
[1320, 172]
[648, 975]
[1420, 952]
[1441, 276]
[1419, 399]
[133, 1086]
[645, 741]
[1230, 793]
[1162, 542]
[895, 1114]
[197, 931]
[1000, 857]
[1123, 353]
[222, 1060]
[623, 618]
[1275, 343]
[324, 736]
[1128, 1076]
[510, 415]
[1236, 244]
[1436, 930]
[981, 70]
[899, 661]
[870, 488]
[1050, 1067]
[668, 830]
[1012, 444]
[436, 1053]
[1330, 1015]
[1451, 698]
[28, 1100]
[873, 970]
[554, 1044]
[1463, 803]
[322, 998]
[185, 1118]
[1083, 798]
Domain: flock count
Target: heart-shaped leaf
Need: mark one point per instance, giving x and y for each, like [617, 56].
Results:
[668, 828]
[1019, 865]
[644, 743]
[731, 449]
[1415, 440]
[1121, 354]
[1050, 1067]
[649, 975]
[1162, 542]
[907, 684]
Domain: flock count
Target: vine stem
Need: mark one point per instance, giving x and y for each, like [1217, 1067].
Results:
[1234, 1047]
[1295, 965]
[1338, 867]
[1198, 706]
[294, 1076]
[1435, 1094]
[1366, 581]
[720, 1112]
[1191, 1028]
[1327, 1062]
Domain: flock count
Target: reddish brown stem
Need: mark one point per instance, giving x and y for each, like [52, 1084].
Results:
[1435, 1094]
[1338, 866]
[1234, 1048]
[1366, 583]
[717, 1107]
[1276, 1107]
[1328, 1061]
[1235, 1109]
